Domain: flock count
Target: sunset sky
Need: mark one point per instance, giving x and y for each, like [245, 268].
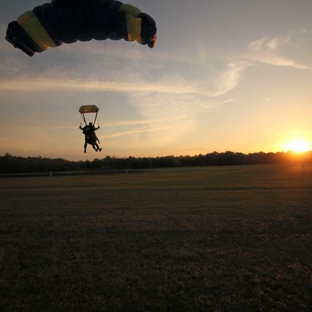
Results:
[225, 75]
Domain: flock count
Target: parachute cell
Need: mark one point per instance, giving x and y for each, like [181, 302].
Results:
[68, 21]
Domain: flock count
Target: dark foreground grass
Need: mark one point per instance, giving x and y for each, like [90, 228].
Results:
[207, 239]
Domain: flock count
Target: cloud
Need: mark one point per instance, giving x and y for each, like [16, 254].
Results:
[277, 60]
[275, 43]
[257, 44]
[230, 77]
[228, 101]
[130, 132]
[266, 43]
[227, 80]
[140, 122]
[272, 51]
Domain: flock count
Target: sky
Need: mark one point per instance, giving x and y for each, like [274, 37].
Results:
[225, 75]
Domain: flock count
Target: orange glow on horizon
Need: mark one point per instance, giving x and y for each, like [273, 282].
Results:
[298, 145]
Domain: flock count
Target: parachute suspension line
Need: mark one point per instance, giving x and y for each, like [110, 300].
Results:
[96, 64]
[102, 70]
[95, 118]
[76, 78]
[111, 66]
[83, 118]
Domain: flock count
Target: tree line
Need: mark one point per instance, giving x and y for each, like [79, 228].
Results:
[15, 164]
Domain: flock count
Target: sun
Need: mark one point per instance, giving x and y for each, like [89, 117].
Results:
[298, 145]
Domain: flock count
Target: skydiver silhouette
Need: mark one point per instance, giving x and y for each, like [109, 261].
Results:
[90, 136]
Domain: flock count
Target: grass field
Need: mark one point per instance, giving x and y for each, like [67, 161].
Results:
[202, 239]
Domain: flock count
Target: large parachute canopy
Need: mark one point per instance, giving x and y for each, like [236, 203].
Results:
[68, 21]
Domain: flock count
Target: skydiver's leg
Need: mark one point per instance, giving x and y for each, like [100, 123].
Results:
[97, 145]
[86, 143]
[98, 148]
[96, 138]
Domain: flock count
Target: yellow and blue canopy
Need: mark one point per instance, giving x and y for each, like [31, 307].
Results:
[69, 21]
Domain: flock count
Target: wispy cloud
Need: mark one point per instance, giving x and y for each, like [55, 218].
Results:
[140, 122]
[228, 101]
[280, 61]
[277, 60]
[257, 44]
[227, 80]
[272, 51]
[230, 78]
[266, 43]
[130, 132]
[275, 43]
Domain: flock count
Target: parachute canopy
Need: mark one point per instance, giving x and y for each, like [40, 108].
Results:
[68, 21]
[85, 109]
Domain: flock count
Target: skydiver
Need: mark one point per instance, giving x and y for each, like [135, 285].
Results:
[90, 136]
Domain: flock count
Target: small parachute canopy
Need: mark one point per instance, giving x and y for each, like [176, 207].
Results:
[69, 21]
[87, 109]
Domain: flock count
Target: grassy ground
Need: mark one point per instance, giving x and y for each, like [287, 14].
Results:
[204, 239]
